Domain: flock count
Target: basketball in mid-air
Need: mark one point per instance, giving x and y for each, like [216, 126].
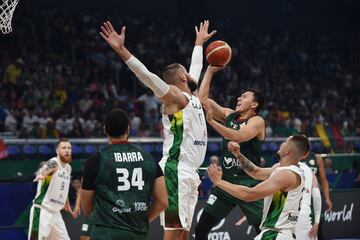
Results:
[218, 53]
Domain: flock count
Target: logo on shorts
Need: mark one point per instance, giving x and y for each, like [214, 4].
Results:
[212, 199]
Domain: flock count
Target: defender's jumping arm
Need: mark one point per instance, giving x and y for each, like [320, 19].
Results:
[284, 180]
[171, 96]
[202, 36]
[249, 167]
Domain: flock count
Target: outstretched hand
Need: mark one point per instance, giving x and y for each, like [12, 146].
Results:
[39, 177]
[202, 34]
[115, 40]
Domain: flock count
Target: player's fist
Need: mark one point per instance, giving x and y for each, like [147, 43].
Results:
[234, 148]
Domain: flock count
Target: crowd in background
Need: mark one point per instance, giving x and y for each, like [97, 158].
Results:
[58, 78]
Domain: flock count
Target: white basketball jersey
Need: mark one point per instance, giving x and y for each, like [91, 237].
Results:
[306, 199]
[52, 192]
[281, 210]
[185, 134]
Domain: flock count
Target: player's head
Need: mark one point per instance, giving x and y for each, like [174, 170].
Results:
[117, 124]
[250, 100]
[63, 150]
[296, 146]
[176, 74]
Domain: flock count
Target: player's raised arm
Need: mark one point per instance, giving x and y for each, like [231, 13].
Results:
[169, 95]
[202, 36]
[48, 168]
[249, 167]
[219, 113]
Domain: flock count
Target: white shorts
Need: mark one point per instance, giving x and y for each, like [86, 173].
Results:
[274, 235]
[303, 225]
[182, 184]
[46, 224]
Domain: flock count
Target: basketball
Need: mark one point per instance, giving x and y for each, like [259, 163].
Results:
[218, 53]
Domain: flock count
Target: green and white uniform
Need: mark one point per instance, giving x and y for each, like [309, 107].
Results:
[281, 210]
[45, 218]
[220, 203]
[304, 223]
[184, 148]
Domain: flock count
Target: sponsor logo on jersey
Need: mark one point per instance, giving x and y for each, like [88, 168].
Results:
[140, 206]
[120, 207]
[199, 143]
[230, 162]
[128, 157]
[292, 218]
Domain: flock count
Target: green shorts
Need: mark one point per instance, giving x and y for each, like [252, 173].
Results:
[105, 233]
[220, 203]
[87, 226]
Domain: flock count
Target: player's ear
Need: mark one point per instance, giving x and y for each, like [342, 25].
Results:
[182, 77]
[254, 105]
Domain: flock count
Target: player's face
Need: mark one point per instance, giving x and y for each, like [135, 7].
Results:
[245, 102]
[284, 148]
[64, 152]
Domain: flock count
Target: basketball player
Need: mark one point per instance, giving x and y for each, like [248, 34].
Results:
[118, 183]
[306, 227]
[316, 164]
[52, 195]
[244, 126]
[184, 124]
[282, 188]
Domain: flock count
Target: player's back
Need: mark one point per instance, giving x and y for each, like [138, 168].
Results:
[123, 188]
[185, 134]
[311, 162]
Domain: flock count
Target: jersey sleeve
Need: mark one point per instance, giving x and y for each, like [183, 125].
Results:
[159, 172]
[90, 172]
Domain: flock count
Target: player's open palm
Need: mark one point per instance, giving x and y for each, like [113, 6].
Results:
[115, 40]
[202, 34]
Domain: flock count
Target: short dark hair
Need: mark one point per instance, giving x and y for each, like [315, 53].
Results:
[60, 141]
[116, 122]
[258, 97]
[302, 143]
[169, 74]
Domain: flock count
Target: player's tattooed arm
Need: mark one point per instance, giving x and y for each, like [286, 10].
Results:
[245, 163]
[48, 168]
[249, 167]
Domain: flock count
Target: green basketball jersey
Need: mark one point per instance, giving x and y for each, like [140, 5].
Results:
[123, 188]
[250, 149]
[311, 162]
